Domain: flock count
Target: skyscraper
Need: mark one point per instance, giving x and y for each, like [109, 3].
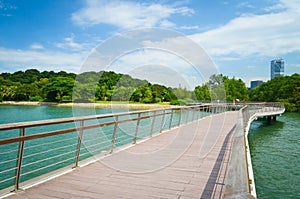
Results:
[256, 83]
[277, 68]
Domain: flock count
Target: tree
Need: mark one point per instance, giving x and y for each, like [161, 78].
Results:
[84, 92]
[109, 79]
[216, 80]
[122, 93]
[31, 75]
[25, 91]
[88, 77]
[235, 89]
[143, 94]
[216, 87]
[59, 87]
[202, 92]
[8, 92]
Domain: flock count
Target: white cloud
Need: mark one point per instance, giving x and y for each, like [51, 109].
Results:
[69, 43]
[161, 74]
[40, 60]
[275, 7]
[6, 8]
[188, 50]
[36, 46]
[152, 47]
[126, 14]
[229, 58]
[245, 5]
[158, 66]
[270, 34]
[167, 24]
[189, 27]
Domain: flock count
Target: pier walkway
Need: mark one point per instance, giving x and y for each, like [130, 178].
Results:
[180, 152]
[189, 161]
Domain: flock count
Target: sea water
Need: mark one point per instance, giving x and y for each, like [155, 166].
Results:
[275, 155]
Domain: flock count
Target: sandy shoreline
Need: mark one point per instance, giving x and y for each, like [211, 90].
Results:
[87, 105]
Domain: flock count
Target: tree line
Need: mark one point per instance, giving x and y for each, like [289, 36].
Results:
[50, 86]
[280, 89]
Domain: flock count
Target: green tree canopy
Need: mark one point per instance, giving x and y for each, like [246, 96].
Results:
[59, 87]
[280, 89]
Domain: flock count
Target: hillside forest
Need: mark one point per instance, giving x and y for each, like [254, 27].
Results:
[50, 86]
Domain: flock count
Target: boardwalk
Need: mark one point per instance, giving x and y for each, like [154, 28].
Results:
[185, 162]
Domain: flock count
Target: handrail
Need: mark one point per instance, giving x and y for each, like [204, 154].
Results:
[239, 185]
[168, 119]
[72, 119]
[58, 132]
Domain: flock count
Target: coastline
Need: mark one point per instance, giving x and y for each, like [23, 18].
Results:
[87, 105]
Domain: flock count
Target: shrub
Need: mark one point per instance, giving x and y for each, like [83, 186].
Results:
[174, 102]
[36, 99]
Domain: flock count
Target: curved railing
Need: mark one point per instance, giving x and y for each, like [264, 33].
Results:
[33, 151]
[240, 178]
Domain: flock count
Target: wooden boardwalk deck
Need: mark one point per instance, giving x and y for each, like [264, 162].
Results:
[185, 162]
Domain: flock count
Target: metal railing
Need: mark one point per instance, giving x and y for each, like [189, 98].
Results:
[32, 151]
[240, 178]
[29, 151]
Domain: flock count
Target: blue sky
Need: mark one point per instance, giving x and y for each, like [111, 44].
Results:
[241, 37]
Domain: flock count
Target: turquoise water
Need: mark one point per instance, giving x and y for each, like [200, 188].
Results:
[47, 154]
[275, 154]
[9, 114]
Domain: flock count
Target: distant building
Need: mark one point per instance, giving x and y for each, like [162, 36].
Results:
[277, 68]
[255, 83]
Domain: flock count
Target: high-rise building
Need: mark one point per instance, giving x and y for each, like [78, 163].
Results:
[255, 83]
[277, 68]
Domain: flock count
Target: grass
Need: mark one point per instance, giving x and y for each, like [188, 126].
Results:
[129, 102]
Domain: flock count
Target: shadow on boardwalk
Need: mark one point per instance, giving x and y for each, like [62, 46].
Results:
[213, 179]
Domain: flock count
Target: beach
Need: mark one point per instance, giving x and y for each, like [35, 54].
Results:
[87, 105]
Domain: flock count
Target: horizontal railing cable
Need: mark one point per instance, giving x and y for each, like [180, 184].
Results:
[50, 165]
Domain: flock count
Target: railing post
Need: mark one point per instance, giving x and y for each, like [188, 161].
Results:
[152, 125]
[199, 112]
[193, 115]
[137, 129]
[19, 161]
[187, 116]
[170, 125]
[179, 120]
[79, 143]
[113, 139]
[162, 121]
